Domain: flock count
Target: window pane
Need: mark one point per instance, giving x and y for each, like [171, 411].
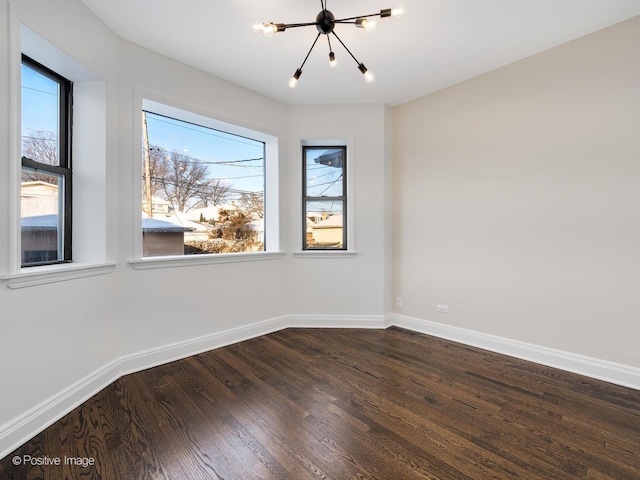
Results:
[325, 225]
[40, 117]
[204, 192]
[41, 204]
[324, 172]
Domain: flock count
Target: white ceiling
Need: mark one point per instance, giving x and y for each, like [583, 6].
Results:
[436, 44]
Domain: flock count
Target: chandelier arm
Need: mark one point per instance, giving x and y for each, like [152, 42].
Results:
[343, 20]
[345, 47]
[309, 52]
[295, 25]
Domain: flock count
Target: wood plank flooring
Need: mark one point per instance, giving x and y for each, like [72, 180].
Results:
[345, 404]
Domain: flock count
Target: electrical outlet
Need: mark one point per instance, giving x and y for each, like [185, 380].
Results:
[398, 302]
[442, 308]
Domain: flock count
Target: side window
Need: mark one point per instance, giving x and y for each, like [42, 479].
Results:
[324, 198]
[203, 187]
[45, 193]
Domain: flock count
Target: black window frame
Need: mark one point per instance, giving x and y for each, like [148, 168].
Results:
[307, 198]
[63, 169]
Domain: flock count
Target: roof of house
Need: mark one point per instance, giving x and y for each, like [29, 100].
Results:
[50, 222]
[154, 225]
[42, 222]
[334, 221]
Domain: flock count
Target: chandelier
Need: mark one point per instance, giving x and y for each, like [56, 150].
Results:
[325, 23]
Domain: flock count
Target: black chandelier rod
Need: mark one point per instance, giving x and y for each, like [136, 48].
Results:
[382, 14]
[295, 25]
[342, 20]
[345, 47]
[309, 52]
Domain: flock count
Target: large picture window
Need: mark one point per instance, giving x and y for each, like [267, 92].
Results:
[203, 188]
[324, 203]
[45, 194]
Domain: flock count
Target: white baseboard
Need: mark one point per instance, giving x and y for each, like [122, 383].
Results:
[35, 420]
[611, 372]
[338, 321]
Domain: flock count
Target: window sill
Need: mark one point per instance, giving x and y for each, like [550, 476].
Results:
[32, 276]
[195, 260]
[325, 254]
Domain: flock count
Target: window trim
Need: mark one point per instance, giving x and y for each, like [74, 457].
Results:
[65, 134]
[145, 100]
[343, 198]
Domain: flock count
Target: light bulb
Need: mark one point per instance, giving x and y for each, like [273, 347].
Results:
[398, 11]
[293, 81]
[368, 76]
[332, 60]
[268, 29]
[368, 24]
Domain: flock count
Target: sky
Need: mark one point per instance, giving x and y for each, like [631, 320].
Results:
[39, 103]
[238, 160]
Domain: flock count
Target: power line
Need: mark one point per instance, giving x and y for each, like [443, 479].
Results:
[196, 160]
[55, 94]
[182, 124]
[332, 184]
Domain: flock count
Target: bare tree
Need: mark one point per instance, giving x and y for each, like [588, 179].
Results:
[183, 180]
[41, 146]
[157, 170]
[252, 204]
[214, 192]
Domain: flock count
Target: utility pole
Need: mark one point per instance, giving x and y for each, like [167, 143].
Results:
[147, 166]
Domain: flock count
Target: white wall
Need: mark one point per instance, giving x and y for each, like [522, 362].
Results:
[516, 197]
[62, 341]
[338, 285]
[517, 200]
[53, 335]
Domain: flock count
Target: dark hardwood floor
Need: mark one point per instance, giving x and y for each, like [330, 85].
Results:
[345, 404]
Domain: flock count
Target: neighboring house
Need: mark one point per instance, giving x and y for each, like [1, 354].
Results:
[160, 238]
[38, 198]
[160, 205]
[328, 232]
[163, 211]
[205, 214]
[316, 217]
[310, 226]
[40, 238]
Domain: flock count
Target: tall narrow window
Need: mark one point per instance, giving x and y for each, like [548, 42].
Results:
[45, 194]
[324, 203]
[203, 188]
